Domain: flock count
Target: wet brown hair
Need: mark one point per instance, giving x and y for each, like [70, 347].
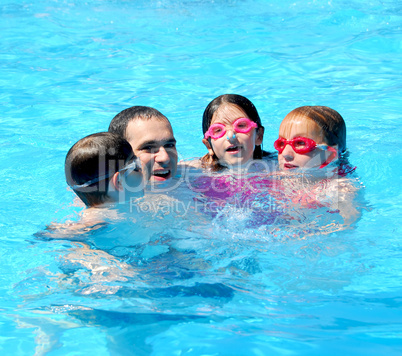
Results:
[94, 156]
[119, 123]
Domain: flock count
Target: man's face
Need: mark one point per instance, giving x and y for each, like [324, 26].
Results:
[154, 144]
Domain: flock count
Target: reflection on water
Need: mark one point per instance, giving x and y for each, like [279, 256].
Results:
[150, 266]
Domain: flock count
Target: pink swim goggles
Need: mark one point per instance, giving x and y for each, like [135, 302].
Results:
[242, 125]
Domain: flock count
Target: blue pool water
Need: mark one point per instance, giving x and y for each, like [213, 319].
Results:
[162, 283]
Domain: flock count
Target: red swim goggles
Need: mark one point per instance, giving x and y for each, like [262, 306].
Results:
[242, 125]
[299, 144]
[304, 145]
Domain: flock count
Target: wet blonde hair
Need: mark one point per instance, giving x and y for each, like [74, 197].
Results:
[329, 122]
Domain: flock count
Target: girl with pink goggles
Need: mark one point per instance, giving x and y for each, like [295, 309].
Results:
[241, 125]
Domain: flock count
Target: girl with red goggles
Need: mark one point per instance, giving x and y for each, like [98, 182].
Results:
[310, 136]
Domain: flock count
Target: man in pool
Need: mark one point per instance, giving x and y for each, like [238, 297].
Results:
[151, 136]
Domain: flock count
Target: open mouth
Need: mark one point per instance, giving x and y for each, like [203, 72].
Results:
[289, 166]
[233, 149]
[161, 175]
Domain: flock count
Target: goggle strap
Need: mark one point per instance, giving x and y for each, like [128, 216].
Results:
[90, 182]
[330, 158]
[133, 165]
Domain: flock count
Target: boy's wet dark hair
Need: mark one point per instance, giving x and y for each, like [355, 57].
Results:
[244, 104]
[119, 123]
[97, 155]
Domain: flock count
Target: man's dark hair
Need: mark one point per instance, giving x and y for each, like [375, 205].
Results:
[119, 123]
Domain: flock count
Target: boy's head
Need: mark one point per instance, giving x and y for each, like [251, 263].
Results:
[102, 168]
[321, 124]
[151, 137]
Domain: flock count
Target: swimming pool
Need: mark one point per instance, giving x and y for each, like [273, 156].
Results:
[175, 286]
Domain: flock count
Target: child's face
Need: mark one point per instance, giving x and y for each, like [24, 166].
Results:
[239, 148]
[154, 144]
[299, 126]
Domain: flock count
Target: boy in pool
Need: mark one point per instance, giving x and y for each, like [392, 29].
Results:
[102, 169]
[151, 136]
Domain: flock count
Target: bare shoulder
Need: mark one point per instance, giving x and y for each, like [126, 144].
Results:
[193, 163]
[89, 220]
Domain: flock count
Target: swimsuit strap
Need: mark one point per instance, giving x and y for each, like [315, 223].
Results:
[345, 169]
